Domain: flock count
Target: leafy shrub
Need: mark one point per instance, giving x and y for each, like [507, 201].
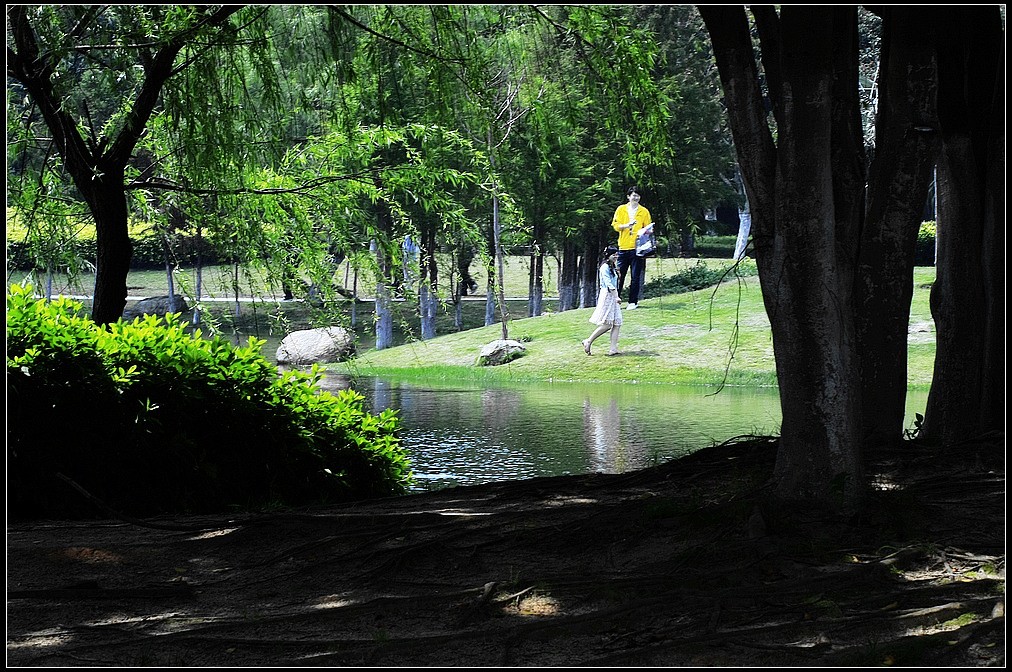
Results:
[714, 247]
[150, 419]
[697, 276]
[924, 250]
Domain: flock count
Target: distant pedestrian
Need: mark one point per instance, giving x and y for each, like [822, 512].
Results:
[630, 220]
[608, 313]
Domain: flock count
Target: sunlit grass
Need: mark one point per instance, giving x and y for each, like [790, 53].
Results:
[707, 337]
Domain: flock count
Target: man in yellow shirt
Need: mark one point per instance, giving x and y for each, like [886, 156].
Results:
[630, 220]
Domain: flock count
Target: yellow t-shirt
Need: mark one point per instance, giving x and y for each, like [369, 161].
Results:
[627, 237]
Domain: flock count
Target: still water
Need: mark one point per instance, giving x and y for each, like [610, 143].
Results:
[463, 435]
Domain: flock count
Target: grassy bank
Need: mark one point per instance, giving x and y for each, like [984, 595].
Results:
[263, 314]
[704, 337]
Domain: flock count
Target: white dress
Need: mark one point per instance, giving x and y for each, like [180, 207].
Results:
[608, 311]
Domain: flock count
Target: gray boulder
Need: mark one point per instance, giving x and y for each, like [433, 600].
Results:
[312, 346]
[500, 351]
[155, 305]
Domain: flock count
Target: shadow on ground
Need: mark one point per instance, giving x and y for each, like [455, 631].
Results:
[687, 563]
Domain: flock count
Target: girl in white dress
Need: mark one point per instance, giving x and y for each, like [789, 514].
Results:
[608, 313]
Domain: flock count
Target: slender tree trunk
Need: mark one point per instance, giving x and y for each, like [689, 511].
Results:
[537, 286]
[235, 291]
[568, 284]
[428, 298]
[354, 298]
[169, 280]
[490, 283]
[49, 282]
[383, 300]
[199, 285]
[501, 271]
[588, 268]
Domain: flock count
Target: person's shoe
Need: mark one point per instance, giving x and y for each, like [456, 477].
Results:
[586, 347]
[631, 306]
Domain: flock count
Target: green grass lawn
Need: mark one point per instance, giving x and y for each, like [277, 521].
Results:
[704, 337]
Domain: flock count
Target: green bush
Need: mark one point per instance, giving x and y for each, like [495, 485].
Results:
[697, 276]
[714, 247]
[722, 247]
[924, 251]
[148, 252]
[150, 419]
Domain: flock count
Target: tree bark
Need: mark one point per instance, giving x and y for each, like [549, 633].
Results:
[968, 297]
[428, 296]
[899, 179]
[804, 194]
[106, 199]
[568, 284]
[588, 271]
[383, 301]
[537, 284]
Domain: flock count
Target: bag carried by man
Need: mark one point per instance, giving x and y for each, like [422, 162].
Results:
[646, 245]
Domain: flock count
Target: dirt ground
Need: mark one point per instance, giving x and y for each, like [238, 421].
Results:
[684, 564]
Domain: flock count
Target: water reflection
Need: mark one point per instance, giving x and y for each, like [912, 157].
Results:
[601, 428]
[461, 435]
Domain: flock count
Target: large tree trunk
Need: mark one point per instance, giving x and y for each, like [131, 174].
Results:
[804, 218]
[809, 293]
[968, 297]
[899, 179]
[107, 201]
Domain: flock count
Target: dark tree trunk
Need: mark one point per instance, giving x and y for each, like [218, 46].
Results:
[107, 202]
[568, 279]
[588, 273]
[686, 244]
[537, 284]
[899, 179]
[804, 229]
[968, 297]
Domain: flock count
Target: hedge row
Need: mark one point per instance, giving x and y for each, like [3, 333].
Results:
[722, 247]
[148, 418]
[149, 253]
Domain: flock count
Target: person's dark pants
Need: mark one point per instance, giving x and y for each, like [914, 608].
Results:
[628, 261]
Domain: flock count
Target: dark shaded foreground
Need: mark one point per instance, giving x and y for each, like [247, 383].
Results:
[683, 564]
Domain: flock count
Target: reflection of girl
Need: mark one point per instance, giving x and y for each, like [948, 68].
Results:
[608, 314]
[601, 429]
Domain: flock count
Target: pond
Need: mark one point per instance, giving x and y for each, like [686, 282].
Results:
[465, 435]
